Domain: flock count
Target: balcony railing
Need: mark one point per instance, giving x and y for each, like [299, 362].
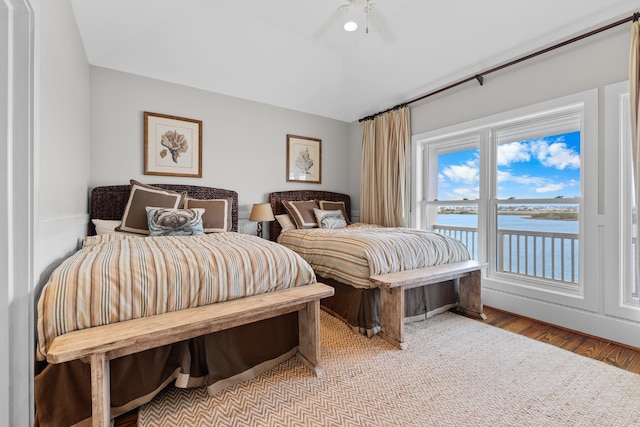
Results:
[553, 256]
[546, 255]
[467, 235]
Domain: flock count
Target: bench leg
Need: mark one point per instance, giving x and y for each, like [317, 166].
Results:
[309, 336]
[100, 390]
[392, 316]
[470, 295]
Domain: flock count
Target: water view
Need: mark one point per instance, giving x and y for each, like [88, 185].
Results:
[533, 239]
[512, 222]
[545, 248]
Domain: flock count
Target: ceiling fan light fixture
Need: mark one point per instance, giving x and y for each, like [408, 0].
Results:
[350, 26]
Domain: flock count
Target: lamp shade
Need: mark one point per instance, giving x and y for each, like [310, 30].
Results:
[261, 212]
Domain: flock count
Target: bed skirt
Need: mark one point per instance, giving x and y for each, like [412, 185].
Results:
[360, 308]
[218, 360]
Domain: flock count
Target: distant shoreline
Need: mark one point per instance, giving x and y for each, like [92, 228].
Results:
[555, 215]
[558, 216]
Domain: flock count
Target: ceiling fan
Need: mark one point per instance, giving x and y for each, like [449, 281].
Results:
[348, 16]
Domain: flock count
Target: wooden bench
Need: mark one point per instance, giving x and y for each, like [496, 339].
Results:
[100, 344]
[392, 286]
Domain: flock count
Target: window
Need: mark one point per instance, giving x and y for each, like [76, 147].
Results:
[511, 188]
[536, 207]
[621, 266]
[453, 189]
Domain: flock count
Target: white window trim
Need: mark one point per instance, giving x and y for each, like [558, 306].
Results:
[618, 259]
[590, 261]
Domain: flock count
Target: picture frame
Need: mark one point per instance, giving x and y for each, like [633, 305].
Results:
[172, 145]
[304, 159]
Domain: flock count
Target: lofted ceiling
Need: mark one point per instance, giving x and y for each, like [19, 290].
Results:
[295, 54]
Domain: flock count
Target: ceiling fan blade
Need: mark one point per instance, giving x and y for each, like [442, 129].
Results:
[379, 23]
[331, 21]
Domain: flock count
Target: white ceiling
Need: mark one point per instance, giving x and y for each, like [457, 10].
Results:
[292, 54]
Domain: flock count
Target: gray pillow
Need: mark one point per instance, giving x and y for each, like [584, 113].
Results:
[330, 219]
[174, 222]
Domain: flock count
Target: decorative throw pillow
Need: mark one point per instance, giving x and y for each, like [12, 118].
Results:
[302, 213]
[134, 219]
[330, 219]
[332, 206]
[217, 213]
[105, 226]
[285, 222]
[174, 222]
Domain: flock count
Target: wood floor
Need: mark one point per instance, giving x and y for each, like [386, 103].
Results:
[611, 353]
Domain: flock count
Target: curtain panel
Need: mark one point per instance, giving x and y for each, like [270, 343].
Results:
[634, 92]
[386, 150]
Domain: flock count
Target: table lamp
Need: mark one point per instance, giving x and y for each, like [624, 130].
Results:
[261, 212]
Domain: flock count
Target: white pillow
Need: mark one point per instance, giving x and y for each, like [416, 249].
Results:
[105, 226]
[285, 222]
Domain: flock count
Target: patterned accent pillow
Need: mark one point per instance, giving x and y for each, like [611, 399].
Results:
[175, 222]
[332, 206]
[301, 212]
[217, 213]
[330, 219]
[134, 219]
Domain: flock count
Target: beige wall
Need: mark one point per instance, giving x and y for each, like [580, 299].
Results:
[244, 142]
[64, 114]
[591, 63]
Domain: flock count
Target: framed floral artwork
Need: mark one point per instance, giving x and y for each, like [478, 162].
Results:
[172, 145]
[304, 159]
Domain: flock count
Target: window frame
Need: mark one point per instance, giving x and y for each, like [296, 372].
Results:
[618, 201]
[586, 297]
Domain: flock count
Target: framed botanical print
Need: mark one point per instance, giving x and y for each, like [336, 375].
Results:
[304, 159]
[172, 145]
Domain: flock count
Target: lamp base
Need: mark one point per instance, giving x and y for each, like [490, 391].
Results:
[259, 228]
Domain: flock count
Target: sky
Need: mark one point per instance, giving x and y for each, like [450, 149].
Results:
[531, 169]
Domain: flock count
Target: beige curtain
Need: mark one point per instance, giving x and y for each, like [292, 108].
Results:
[634, 91]
[384, 190]
[634, 87]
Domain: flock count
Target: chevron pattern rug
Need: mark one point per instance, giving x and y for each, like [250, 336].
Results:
[456, 371]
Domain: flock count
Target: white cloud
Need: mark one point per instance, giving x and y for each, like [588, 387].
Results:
[506, 176]
[467, 173]
[465, 193]
[551, 187]
[513, 152]
[503, 176]
[555, 155]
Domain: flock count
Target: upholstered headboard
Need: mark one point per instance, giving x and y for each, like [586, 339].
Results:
[109, 202]
[276, 199]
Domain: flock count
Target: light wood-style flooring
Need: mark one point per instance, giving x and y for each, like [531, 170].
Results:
[624, 357]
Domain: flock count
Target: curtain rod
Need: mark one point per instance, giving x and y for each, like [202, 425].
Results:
[480, 76]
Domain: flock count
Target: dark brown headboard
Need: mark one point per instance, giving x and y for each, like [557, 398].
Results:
[109, 202]
[276, 199]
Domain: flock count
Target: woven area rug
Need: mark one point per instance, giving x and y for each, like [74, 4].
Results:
[456, 371]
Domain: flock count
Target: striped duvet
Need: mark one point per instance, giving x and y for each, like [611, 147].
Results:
[117, 277]
[352, 254]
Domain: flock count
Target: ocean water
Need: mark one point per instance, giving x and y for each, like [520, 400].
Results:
[513, 222]
[525, 256]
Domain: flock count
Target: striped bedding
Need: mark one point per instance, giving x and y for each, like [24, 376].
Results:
[352, 254]
[116, 277]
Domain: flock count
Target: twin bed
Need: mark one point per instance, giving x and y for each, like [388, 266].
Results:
[347, 258]
[129, 276]
[117, 277]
